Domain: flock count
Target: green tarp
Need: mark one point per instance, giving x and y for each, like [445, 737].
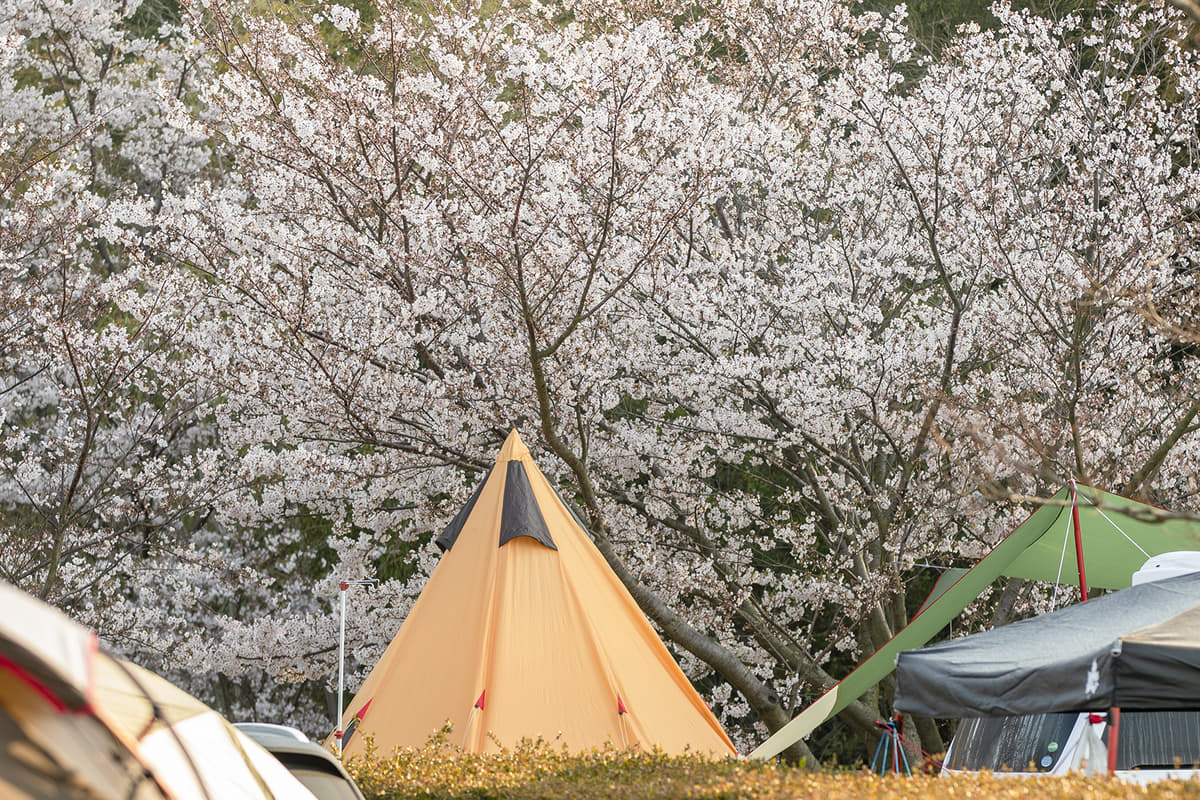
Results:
[1118, 535]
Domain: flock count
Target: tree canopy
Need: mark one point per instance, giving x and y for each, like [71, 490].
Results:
[788, 298]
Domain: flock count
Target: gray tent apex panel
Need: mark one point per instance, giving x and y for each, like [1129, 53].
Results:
[521, 515]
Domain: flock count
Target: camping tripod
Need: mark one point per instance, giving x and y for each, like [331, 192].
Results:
[890, 741]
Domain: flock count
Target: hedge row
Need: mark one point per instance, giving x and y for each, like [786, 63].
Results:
[536, 771]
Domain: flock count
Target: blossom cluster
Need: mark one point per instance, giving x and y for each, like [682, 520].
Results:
[780, 305]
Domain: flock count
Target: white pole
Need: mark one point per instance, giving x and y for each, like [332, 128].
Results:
[337, 732]
[343, 586]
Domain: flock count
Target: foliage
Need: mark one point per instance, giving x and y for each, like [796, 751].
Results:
[772, 307]
[104, 455]
[536, 771]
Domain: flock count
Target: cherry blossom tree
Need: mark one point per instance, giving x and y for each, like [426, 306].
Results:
[771, 309]
[954, 309]
[105, 460]
[785, 310]
[443, 236]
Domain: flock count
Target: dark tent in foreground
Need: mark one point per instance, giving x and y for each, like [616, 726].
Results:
[1137, 650]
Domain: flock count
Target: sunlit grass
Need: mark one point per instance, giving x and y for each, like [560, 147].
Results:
[537, 771]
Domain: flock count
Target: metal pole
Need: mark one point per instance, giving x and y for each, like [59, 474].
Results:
[343, 586]
[878, 750]
[1083, 587]
[1114, 732]
[337, 732]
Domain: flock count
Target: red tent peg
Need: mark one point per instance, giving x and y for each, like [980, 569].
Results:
[479, 702]
[621, 709]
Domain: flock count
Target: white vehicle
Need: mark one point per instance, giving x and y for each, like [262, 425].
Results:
[313, 765]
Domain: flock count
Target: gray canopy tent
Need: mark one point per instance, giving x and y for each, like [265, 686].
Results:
[1111, 536]
[1137, 649]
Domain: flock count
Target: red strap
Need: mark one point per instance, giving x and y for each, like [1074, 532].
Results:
[32, 683]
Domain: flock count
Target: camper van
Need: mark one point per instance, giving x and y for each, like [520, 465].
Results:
[1153, 745]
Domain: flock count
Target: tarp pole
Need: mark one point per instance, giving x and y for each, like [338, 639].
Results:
[1114, 731]
[1083, 587]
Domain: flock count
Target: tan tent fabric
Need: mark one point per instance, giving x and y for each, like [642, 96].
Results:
[46, 643]
[526, 640]
[193, 750]
[77, 724]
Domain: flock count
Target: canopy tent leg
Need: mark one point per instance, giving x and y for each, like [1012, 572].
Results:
[1114, 731]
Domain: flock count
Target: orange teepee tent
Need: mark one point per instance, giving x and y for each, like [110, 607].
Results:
[523, 631]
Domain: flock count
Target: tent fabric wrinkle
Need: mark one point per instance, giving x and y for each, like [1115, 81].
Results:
[1137, 649]
[523, 632]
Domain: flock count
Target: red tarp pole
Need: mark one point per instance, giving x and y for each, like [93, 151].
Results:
[1114, 730]
[1083, 587]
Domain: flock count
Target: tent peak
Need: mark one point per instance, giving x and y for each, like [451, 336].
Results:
[513, 450]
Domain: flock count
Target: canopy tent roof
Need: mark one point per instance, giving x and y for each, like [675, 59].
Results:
[523, 631]
[1117, 535]
[1137, 649]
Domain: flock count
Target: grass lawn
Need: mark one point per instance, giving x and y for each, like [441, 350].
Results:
[538, 772]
